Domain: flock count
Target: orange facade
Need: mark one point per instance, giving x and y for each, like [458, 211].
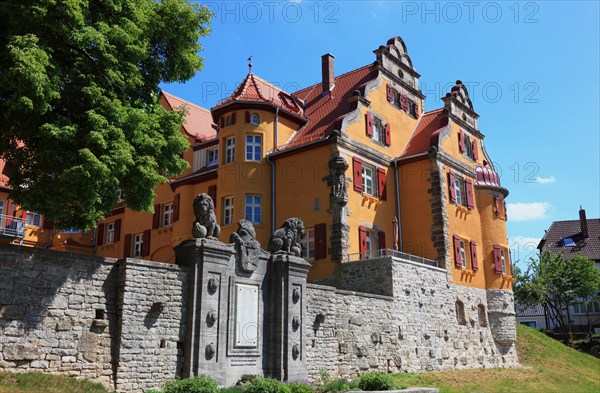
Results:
[350, 156]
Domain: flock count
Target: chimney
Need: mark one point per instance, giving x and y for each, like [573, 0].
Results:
[327, 74]
[583, 223]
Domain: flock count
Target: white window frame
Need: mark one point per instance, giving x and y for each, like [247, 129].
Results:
[463, 254]
[110, 232]
[33, 219]
[214, 160]
[468, 146]
[580, 308]
[138, 244]
[367, 180]
[254, 206]
[255, 119]
[167, 215]
[252, 142]
[308, 244]
[503, 259]
[458, 191]
[229, 150]
[2, 218]
[228, 210]
[378, 130]
[71, 230]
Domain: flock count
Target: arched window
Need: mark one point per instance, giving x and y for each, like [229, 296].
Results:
[481, 314]
[255, 119]
[460, 313]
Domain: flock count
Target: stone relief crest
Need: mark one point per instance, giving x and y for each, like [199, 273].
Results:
[247, 248]
[205, 225]
[287, 238]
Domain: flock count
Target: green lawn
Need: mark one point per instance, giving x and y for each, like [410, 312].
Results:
[549, 366]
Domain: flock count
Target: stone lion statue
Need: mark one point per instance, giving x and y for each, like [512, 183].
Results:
[286, 239]
[205, 225]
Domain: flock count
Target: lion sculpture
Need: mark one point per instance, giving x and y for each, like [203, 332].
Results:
[205, 225]
[286, 239]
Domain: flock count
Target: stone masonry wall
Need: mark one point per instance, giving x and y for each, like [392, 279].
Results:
[90, 317]
[416, 329]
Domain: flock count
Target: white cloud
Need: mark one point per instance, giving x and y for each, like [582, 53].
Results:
[545, 180]
[528, 211]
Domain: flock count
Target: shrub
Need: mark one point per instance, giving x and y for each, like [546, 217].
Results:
[300, 387]
[338, 385]
[267, 385]
[199, 384]
[375, 381]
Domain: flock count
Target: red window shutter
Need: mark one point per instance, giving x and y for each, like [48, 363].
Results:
[451, 187]
[505, 210]
[469, 188]
[369, 124]
[233, 118]
[357, 174]
[24, 214]
[416, 109]
[10, 209]
[381, 180]
[100, 235]
[497, 259]
[381, 240]
[222, 122]
[247, 117]
[118, 230]
[475, 150]
[457, 256]
[474, 262]
[461, 141]
[212, 192]
[320, 241]
[362, 240]
[176, 198]
[404, 102]
[127, 246]
[497, 206]
[146, 243]
[156, 217]
[388, 134]
[390, 92]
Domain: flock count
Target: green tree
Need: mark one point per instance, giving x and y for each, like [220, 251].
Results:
[554, 282]
[79, 111]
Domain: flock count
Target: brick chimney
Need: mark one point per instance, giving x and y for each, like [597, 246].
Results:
[327, 74]
[583, 223]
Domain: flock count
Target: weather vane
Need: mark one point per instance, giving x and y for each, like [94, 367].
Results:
[250, 64]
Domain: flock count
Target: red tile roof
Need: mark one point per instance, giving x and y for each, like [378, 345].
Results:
[3, 174]
[198, 121]
[589, 248]
[255, 89]
[325, 111]
[426, 133]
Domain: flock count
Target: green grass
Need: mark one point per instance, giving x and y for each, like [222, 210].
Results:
[549, 366]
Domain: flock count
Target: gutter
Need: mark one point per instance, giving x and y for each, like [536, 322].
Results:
[273, 173]
[398, 213]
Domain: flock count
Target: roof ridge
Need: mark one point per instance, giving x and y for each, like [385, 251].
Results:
[335, 79]
[186, 101]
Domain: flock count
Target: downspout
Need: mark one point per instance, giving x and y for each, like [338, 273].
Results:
[398, 208]
[272, 164]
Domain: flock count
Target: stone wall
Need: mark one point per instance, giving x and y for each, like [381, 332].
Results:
[63, 313]
[416, 329]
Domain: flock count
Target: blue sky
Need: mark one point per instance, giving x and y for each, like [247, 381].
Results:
[531, 68]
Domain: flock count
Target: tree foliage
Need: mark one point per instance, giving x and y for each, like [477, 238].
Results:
[79, 111]
[554, 282]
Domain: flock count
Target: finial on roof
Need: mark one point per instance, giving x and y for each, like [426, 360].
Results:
[250, 64]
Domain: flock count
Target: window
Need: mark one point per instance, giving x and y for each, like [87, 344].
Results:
[212, 157]
[229, 150]
[71, 230]
[227, 211]
[459, 189]
[2, 218]
[33, 219]
[532, 324]
[378, 130]
[255, 119]
[460, 313]
[253, 147]
[367, 180]
[167, 217]
[468, 146]
[503, 258]
[481, 315]
[138, 241]
[110, 233]
[369, 247]
[584, 307]
[463, 254]
[308, 244]
[254, 209]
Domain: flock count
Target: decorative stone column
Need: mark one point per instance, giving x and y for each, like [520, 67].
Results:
[338, 199]
[285, 334]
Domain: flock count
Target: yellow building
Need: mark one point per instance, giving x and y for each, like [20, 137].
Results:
[354, 157]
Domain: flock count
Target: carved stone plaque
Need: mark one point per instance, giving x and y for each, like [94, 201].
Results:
[246, 316]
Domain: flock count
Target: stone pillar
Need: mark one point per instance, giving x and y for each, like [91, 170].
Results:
[205, 345]
[285, 320]
[501, 311]
[338, 201]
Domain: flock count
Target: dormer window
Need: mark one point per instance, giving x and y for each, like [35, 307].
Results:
[255, 119]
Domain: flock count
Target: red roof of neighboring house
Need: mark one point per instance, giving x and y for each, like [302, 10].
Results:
[255, 89]
[198, 121]
[325, 111]
[426, 133]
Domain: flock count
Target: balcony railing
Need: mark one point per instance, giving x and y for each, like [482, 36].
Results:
[388, 252]
[12, 227]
